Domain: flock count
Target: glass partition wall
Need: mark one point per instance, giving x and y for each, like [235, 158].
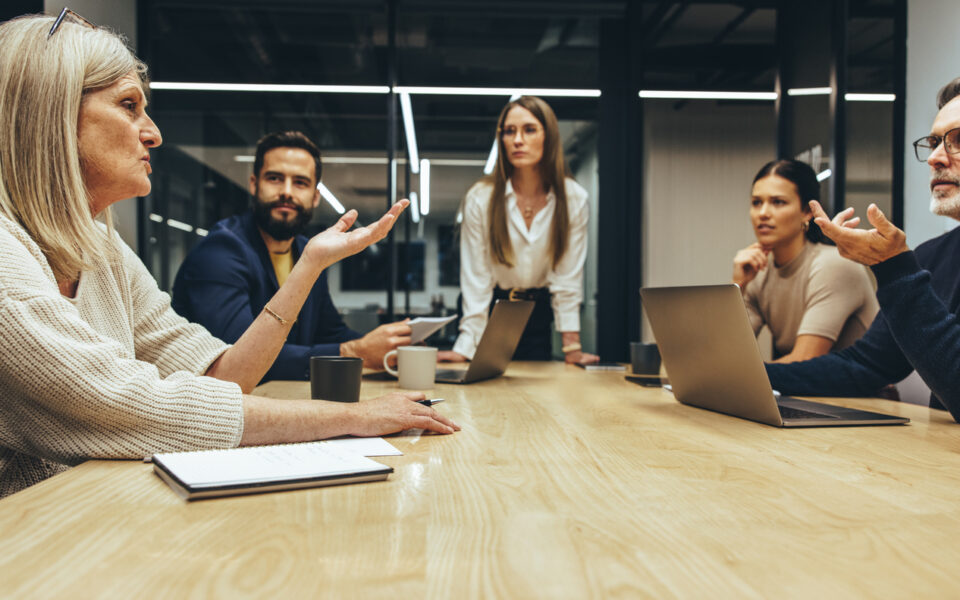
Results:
[689, 110]
[457, 68]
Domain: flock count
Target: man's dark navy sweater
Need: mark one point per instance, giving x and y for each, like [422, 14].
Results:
[228, 278]
[917, 328]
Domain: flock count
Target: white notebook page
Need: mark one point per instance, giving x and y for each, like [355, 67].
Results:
[264, 463]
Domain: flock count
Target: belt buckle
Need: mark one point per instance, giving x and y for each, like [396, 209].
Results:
[515, 294]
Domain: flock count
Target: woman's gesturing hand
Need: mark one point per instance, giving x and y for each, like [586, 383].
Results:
[338, 242]
[748, 262]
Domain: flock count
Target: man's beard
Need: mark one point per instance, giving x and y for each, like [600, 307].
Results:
[278, 229]
[945, 205]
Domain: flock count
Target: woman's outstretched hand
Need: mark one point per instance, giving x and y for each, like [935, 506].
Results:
[339, 242]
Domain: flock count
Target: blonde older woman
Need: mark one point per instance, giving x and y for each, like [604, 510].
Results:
[94, 362]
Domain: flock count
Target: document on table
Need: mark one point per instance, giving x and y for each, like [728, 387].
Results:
[255, 469]
[422, 327]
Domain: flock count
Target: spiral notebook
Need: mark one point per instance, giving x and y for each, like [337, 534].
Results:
[259, 469]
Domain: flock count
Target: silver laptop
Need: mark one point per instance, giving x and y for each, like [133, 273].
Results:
[713, 360]
[497, 344]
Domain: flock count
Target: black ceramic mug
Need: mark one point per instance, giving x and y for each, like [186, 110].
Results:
[335, 378]
[645, 358]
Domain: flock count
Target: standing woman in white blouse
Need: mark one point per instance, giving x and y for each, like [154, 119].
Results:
[524, 235]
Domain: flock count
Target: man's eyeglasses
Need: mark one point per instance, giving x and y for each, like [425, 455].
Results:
[926, 145]
[68, 15]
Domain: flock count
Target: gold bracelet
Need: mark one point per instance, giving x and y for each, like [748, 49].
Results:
[571, 347]
[277, 317]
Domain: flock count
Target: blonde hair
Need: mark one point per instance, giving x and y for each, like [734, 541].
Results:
[42, 83]
[553, 173]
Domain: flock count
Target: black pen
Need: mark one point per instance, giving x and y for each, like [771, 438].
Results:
[430, 402]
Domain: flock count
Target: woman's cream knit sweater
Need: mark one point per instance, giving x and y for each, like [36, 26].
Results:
[112, 373]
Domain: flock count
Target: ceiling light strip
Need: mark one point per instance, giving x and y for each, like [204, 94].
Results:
[414, 208]
[813, 91]
[268, 87]
[331, 199]
[376, 160]
[854, 97]
[186, 86]
[706, 95]
[425, 186]
[484, 91]
[409, 132]
[492, 159]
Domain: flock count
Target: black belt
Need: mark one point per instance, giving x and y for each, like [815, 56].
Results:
[514, 294]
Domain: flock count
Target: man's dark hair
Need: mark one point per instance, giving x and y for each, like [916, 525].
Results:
[948, 93]
[286, 139]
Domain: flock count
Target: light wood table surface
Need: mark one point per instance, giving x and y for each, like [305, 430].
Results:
[562, 484]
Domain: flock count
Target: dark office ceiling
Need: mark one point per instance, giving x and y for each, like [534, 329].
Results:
[727, 45]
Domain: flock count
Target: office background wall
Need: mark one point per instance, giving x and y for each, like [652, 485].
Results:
[933, 58]
[699, 170]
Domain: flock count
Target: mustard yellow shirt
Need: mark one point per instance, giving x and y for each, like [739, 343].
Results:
[282, 265]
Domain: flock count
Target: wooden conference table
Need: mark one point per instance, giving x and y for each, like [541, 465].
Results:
[563, 483]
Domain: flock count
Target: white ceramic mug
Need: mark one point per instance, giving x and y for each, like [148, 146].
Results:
[416, 366]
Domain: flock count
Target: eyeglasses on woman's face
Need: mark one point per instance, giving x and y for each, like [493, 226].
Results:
[526, 131]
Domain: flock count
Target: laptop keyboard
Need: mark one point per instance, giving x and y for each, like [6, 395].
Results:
[787, 412]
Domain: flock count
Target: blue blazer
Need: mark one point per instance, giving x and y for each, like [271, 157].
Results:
[227, 279]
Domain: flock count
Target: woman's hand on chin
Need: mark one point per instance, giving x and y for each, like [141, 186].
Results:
[748, 262]
[339, 242]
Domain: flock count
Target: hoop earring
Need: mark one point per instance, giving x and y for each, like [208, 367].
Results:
[806, 226]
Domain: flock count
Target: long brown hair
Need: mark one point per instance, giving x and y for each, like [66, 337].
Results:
[553, 173]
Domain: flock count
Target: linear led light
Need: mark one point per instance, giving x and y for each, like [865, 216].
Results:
[457, 162]
[180, 225]
[407, 111]
[697, 95]
[393, 181]
[330, 198]
[244, 158]
[187, 86]
[377, 160]
[495, 149]
[484, 91]
[425, 186]
[851, 97]
[492, 159]
[414, 207]
[268, 87]
[813, 91]
[824, 174]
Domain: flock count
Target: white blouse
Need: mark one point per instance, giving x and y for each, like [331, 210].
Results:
[479, 273]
